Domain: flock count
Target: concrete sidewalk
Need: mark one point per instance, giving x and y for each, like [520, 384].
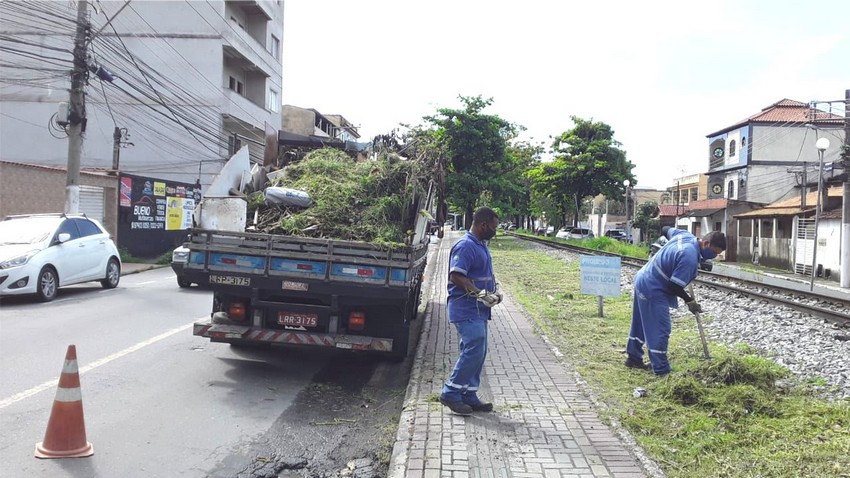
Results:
[542, 426]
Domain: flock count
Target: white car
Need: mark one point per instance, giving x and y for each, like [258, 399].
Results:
[563, 234]
[42, 252]
[179, 258]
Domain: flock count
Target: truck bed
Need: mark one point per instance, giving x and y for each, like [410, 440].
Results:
[259, 260]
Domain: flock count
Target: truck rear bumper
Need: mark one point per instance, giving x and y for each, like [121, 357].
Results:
[226, 332]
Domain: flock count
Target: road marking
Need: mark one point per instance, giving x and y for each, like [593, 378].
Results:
[97, 363]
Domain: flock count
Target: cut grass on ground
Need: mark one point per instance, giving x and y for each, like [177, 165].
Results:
[718, 418]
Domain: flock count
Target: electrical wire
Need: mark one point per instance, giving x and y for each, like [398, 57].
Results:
[159, 96]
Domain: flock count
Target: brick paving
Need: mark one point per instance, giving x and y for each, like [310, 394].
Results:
[543, 425]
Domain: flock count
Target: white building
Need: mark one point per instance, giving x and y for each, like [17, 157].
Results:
[188, 76]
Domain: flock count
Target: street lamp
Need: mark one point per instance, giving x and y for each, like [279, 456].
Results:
[627, 183]
[822, 144]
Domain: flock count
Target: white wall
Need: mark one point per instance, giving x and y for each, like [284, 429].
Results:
[829, 245]
[184, 47]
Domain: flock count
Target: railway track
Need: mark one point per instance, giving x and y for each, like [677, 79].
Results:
[830, 308]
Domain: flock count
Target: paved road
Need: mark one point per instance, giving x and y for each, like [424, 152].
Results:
[157, 400]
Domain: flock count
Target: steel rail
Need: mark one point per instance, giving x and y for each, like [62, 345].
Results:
[833, 316]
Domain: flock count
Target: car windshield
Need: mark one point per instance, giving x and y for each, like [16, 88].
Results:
[26, 231]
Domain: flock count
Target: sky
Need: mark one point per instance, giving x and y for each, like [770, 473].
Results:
[663, 74]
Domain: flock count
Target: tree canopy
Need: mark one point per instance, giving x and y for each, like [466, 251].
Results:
[476, 144]
[587, 162]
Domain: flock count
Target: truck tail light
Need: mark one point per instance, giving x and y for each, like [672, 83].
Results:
[357, 321]
[236, 311]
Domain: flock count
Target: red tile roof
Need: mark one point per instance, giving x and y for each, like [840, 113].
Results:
[787, 111]
[670, 210]
[708, 204]
[791, 206]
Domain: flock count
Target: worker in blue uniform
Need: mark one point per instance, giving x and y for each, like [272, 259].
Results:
[657, 285]
[472, 291]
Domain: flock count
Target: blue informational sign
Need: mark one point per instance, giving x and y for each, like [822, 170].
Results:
[600, 275]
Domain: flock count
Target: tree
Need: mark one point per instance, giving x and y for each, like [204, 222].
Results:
[646, 220]
[587, 162]
[511, 194]
[476, 146]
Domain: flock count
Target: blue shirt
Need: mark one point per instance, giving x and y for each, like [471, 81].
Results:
[470, 257]
[676, 263]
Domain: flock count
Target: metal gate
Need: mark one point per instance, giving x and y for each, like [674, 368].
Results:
[804, 253]
[91, 202]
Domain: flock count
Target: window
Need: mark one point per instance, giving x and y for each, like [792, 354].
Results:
[717, 226]
[732, 148]
[731, 189]
[235, 85]
[694, 194]
[86, 227]
[676, 197]
[274, 46]
[272, 101]
[743, 142]
[69, 227]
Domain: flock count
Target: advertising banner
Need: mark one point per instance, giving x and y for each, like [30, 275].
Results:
[153, 213]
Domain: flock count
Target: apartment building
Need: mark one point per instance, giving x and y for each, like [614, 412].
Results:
[172, 85]
[760, 158]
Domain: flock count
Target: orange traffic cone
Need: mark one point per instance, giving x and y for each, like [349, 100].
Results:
[66, 430]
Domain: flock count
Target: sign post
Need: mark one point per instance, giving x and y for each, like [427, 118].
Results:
[600, 276]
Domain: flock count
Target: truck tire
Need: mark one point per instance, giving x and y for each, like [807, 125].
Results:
[401, 341]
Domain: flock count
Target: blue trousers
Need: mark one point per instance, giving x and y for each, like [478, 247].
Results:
[651, 325]
[465, 379]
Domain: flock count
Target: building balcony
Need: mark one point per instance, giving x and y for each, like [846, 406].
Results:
[245, 110]
[247, 35]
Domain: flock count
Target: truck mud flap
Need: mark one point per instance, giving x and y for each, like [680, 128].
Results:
[249, 334]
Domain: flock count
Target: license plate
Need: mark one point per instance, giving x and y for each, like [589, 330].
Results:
[230, 280]
[297, 320]
[290, 285]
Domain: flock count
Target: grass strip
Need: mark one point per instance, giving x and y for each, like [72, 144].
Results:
[724, 417]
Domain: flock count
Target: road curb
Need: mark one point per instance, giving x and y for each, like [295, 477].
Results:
[398, 459]
[135, 268]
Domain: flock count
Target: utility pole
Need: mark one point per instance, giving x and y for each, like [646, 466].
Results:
[116, 147]
[844, 250]
[77, 116]
[119, 140]
[678, 197]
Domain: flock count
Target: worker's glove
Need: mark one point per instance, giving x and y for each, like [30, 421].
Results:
[498, 293]
[694, 307]
[487, 298]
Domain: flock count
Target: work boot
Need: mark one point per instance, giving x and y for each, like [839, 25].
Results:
[634, 363]
[457, 406]
[476, 404]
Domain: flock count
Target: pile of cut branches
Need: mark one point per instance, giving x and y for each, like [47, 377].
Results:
[372, 201]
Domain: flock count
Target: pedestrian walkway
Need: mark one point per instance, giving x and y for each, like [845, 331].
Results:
[542, 426]
[780, 278]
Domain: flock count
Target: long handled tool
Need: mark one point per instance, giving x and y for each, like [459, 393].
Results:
[699, 326]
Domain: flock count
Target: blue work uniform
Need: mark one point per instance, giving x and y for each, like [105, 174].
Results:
[470, 257]
[675, 263]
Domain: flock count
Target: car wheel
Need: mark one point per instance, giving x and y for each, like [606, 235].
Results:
[113, 274]
[183, 283]
[48, 284]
